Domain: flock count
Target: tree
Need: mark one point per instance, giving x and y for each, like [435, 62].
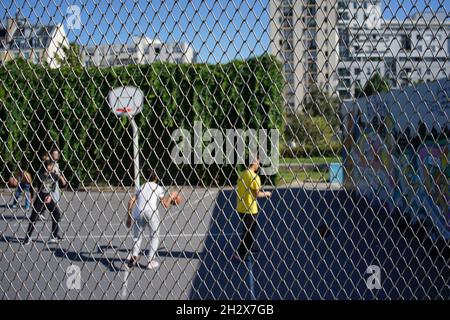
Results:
[321, 104]
[376, 84]
[72, 56]
[313, 129]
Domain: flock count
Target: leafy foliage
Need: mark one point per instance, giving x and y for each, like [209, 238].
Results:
[67, 108]
[313, 131]
[374, 85]
[71, 56]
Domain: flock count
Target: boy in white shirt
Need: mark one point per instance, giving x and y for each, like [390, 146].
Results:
[143, 211]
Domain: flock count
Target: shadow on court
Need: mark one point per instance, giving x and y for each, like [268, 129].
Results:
[112, 264]
[19, 217]
[318, 244]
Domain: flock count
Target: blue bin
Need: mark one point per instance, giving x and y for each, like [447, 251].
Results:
[336, 173]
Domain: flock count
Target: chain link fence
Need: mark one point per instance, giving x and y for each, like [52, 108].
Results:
[267, 149]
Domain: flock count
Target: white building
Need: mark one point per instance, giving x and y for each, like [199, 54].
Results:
[141, 50]
[403, 51]
[338, 45]
[304, 37]
[35, 43]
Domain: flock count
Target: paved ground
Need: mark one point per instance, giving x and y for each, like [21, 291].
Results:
[198, 239]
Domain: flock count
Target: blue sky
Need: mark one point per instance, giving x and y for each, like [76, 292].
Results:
[219, 30]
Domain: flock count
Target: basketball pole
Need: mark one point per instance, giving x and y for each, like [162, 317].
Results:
[127, 101]
[135, 153]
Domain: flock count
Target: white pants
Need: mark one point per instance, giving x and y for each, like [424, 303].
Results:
[151, 219]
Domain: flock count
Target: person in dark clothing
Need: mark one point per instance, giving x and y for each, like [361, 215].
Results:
[47, 180]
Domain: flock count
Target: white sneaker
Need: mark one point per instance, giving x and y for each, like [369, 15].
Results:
[56, 239]
[153, 265]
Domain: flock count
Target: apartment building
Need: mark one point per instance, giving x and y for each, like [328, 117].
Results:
[402, 51]
[35, 43]
[141, 50]
[305, 38]
[339, 45]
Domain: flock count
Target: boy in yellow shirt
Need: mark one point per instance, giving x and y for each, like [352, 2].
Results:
[248, 190]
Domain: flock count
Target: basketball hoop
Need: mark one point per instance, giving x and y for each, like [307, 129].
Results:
[125, 101]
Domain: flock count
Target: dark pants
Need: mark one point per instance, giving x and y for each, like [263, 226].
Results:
[249, 229]
[38, 208]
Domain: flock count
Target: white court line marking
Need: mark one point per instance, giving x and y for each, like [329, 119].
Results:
[124, 291]
[170, 235]
[190, 205]
[168, 215]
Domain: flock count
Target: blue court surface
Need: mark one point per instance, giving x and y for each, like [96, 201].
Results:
[299, 258]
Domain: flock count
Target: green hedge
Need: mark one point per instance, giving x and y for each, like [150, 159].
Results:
[67, 108]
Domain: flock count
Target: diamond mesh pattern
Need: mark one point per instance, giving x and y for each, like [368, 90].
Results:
[348, 102]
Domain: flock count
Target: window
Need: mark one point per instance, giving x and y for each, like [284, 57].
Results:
[287, 11]
[288, 67]
[289, 56]
[326, 53]
[405, 42]
[26, 55]
[287, 45]
[288, 34]
[344, 83]
[345, 16]
[177, 49]
[343, 72]
[290, 78]
[157, 50]
[357, 71]
[36, 57]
